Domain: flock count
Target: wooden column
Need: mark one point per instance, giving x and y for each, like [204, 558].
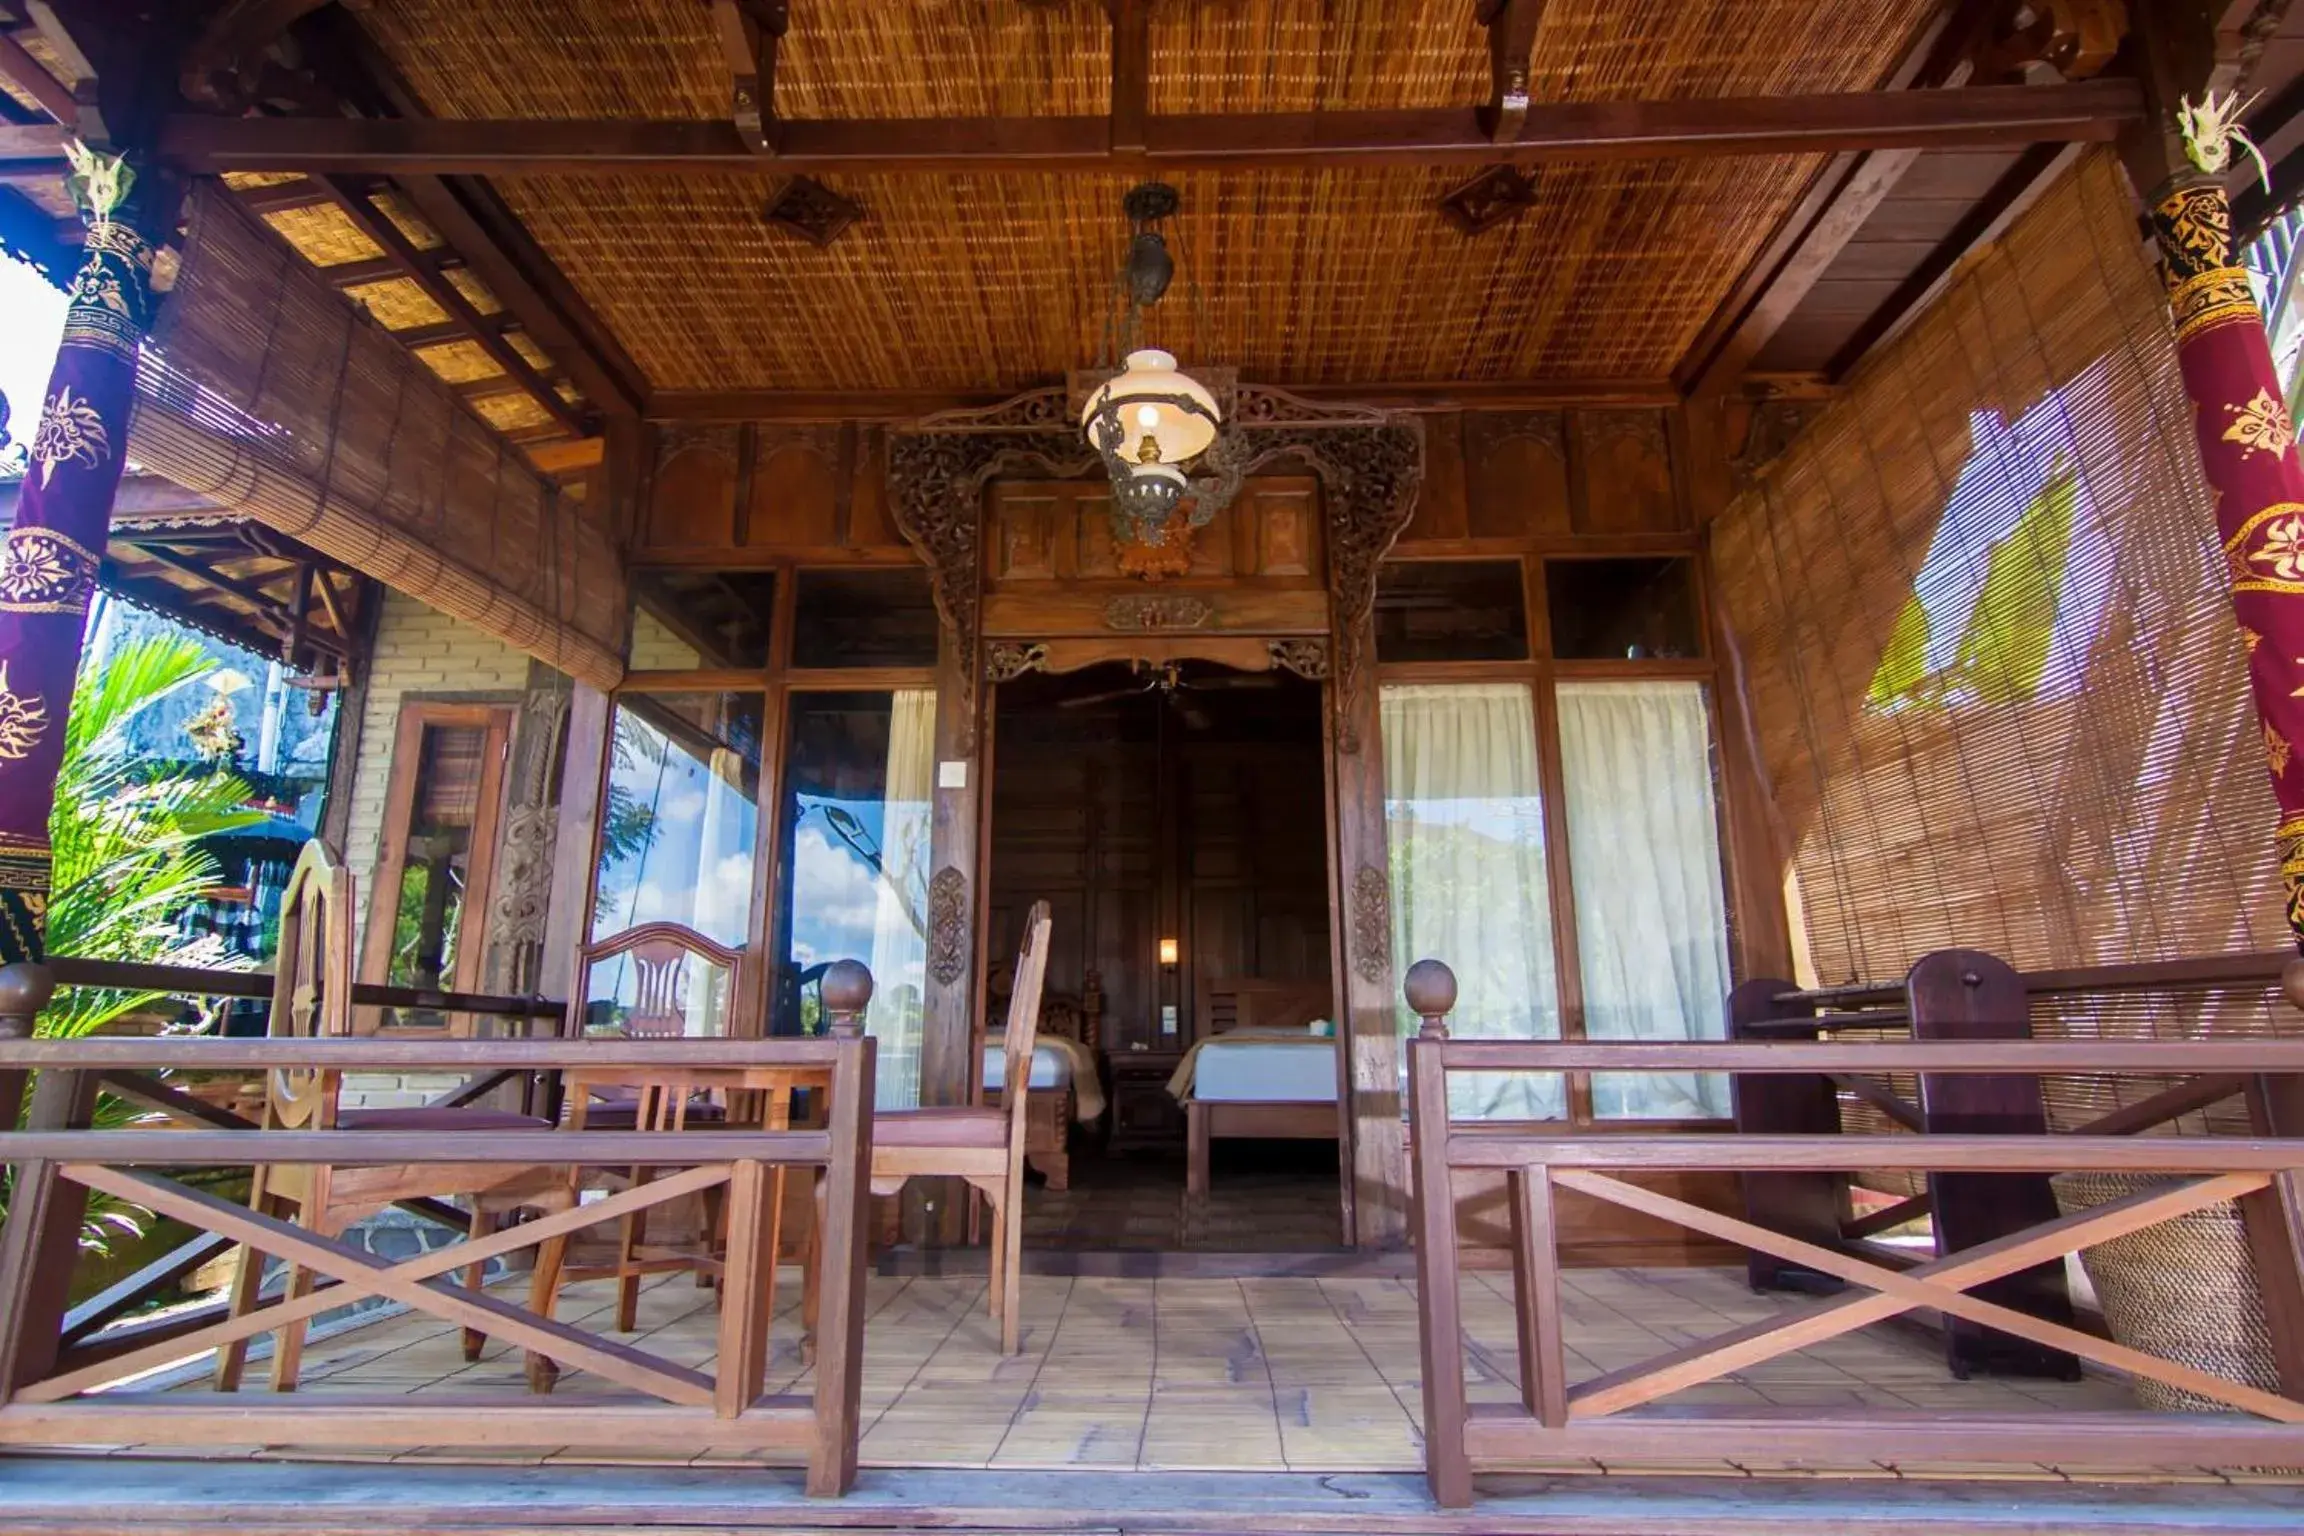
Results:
[583, 770]
[1363, 906]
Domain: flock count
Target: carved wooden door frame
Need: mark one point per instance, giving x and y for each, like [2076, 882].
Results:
[1370, 463]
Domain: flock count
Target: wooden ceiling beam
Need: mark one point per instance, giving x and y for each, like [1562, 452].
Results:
[53, 95]
[750, 33]
[1131, 74]
[1840, 199]
[1511, 28]
[428, 275]
[282, 196]
[1983, 221]
[469, 215]
[33, 149]
[900, 405]
[1976, 117]
[376, 269]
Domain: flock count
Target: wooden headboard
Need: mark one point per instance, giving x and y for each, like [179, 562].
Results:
[1251, 1002]
[1075, 1016]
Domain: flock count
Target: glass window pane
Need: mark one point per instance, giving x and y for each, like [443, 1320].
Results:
[436, 859]
[1644, 859]
[865, 619]
[1616, 610]
[1451, 610]
[682, 816]
[684, 619]
[1464, 814]
[856, 818]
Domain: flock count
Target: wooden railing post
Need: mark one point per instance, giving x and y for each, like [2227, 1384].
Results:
[1810, 1206]
[2272, 1218]
[41, 1241]
[24, 990]
[844, 1211]
[1431, 992]
[1962, 995]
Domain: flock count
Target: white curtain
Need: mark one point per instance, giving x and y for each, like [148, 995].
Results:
[900, 911]
[1644, 857]
[1464, 818]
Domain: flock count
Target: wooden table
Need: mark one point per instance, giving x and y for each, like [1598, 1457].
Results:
[755, 1098]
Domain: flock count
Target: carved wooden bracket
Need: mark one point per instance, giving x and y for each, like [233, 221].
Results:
[750, 33]
[1005, 661]
[1511, 28]
[1306, 658]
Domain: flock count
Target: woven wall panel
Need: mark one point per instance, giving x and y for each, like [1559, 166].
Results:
[268, 391]
[2066, 770]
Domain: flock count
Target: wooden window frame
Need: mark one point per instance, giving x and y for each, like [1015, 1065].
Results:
[1542, 673]
[774, 684]
[416, 716]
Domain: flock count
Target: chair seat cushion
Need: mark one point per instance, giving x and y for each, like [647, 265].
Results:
[425, 1117]
[624, 1114]
[963, 1125]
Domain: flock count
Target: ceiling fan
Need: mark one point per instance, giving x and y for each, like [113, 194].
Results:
[1168, 680]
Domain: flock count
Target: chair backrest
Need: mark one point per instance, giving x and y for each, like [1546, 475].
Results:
[311, 985]
[1024, 1021]
[661, 996]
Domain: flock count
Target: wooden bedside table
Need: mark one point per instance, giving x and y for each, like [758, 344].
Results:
[1144, 1117]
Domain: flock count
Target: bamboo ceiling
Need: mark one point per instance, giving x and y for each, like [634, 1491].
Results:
[996, 281]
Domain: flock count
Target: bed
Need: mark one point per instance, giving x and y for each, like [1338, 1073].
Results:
[1066, 1086]
[1256, 1070]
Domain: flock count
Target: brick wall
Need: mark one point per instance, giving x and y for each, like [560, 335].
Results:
[655, 648]
[418, 651]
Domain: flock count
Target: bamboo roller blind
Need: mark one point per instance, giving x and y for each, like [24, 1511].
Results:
[1995, 678]
[269, 392]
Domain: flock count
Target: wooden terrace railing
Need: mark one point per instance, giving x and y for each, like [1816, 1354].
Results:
[53, 1390]
[1603, 1419]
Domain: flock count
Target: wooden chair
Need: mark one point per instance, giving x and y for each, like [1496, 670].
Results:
[1053, 1111]
[659, 954]
[312, 998]
[981, 1144]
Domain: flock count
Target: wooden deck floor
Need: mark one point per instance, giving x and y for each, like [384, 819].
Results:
[1271, 1374]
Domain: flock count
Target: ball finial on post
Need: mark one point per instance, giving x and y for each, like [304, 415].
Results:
[1431, 993]
[2292, 982]
[847, 993]
[25, 989]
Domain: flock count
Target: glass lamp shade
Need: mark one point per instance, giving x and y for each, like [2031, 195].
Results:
[1158, 402]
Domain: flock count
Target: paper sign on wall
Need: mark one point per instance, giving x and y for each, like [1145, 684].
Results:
[952, 773]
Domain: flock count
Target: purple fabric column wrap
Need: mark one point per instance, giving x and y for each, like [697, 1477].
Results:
[49, 560]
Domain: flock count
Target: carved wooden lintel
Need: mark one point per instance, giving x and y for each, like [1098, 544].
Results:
[1178, 611]
[948, 925]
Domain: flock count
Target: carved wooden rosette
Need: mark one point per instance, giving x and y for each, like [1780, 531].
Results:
[948, 925]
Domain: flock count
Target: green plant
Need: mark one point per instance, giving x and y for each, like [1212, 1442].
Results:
[128, 857]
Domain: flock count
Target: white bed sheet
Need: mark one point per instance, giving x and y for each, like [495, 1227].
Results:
[1051, 1067]
[1266, 1071]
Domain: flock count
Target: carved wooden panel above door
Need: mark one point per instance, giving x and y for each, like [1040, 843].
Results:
[1051, 567]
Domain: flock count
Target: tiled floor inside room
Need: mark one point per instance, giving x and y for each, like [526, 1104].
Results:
[1295, 1374]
